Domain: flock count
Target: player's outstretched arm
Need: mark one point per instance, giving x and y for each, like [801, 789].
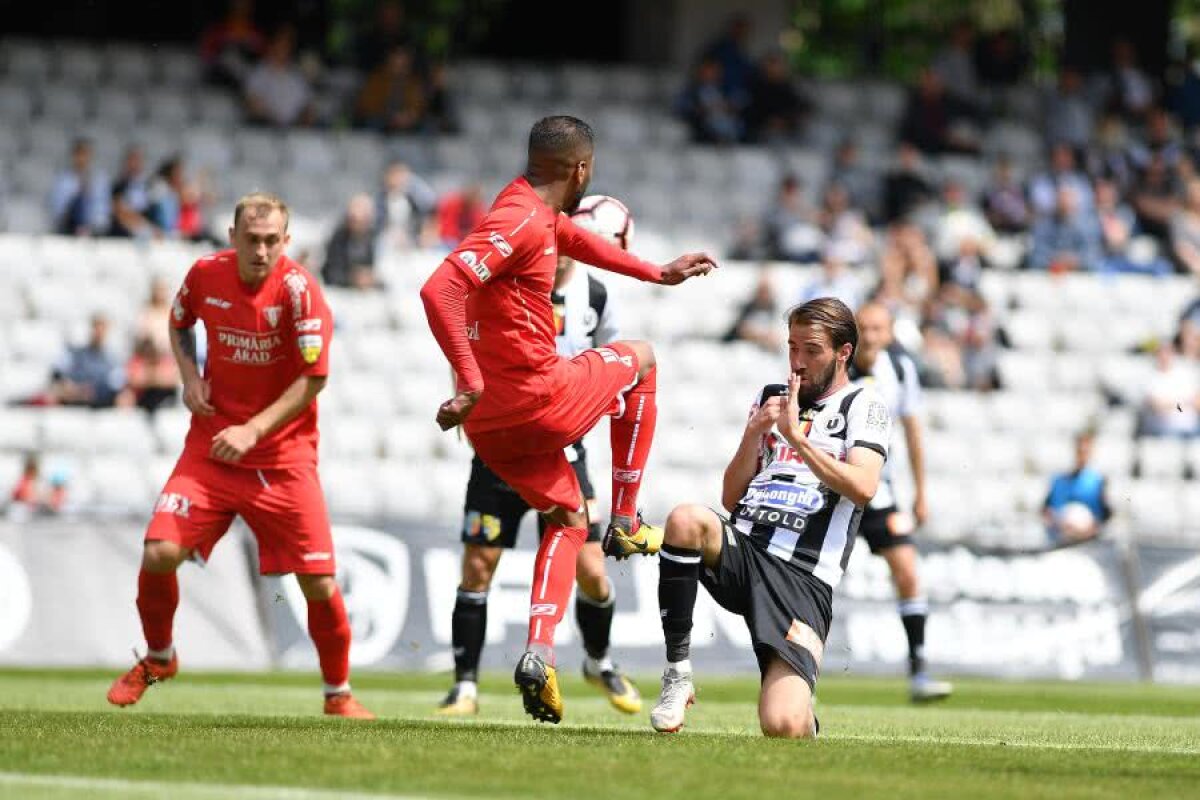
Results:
[588, 248]
[233, 442]
[196, 391]
[744, 464]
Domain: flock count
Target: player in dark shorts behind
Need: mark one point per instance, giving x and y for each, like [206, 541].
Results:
[882, 365]
[494, 511]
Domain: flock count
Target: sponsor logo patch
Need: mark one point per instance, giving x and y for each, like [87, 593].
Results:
[318, 556]
[310, 348]
[627, 475]
[877, 416]
[308, 325]
[501, 244]
[835, 424]
[218, 302]
[543, 609]
[785, 496]
[172, 503]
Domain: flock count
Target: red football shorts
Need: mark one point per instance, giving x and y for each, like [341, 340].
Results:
[284, 509]
[529, 456]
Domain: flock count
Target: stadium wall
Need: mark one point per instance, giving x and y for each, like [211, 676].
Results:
[67, 598]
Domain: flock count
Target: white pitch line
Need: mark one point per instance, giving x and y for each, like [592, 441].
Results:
[189, 789]
[967, 741]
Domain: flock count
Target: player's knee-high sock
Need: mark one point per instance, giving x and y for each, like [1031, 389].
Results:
[468, 627]
[678, 581]
[631, 435]
[329, 627]
[553, 577]
[595, 619]
[913, 612]
[157, 599]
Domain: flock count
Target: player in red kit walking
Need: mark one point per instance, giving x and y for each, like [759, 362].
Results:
[252, 447]
[522, 404]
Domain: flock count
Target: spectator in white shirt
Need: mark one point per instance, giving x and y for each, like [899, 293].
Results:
[277, 93]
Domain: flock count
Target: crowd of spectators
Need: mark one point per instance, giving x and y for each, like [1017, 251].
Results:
[168, 203]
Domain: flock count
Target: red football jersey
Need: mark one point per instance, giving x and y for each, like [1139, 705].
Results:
[260, 340]
[510, 259]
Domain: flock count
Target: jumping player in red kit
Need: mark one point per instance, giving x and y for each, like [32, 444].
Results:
[522, 404]
[252, 447]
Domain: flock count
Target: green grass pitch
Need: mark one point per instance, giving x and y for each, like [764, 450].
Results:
[261, 736]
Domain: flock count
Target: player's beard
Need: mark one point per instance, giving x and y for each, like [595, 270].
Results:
[578, 198]
[814, 389]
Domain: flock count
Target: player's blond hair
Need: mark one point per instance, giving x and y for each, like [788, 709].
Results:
[258, 203]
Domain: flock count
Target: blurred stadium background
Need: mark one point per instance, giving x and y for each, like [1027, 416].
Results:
[1016, 179]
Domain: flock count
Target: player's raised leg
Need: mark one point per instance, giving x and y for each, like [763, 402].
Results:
[468, 628]
[914, 609]
[631, 434]
[595, 599]
[692, 539]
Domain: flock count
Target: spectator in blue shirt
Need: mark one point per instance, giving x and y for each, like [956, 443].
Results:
[1076, 507]
[1067, 241]
[79, 199]
[89, 375]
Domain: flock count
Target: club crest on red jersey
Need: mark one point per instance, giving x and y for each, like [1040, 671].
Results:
[272, 314]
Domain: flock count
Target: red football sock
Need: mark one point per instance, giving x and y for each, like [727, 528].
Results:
[631, 435]
[329, 628]
[553, 580]
[157, 599]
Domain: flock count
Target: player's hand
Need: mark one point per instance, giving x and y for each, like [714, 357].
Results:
[196, 397]
[765, 417]
[788, 423]
[454, 412]
[685, 267]
[233, 442]
[920, 509]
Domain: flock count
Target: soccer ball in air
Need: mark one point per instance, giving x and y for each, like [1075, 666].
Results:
[605, 216]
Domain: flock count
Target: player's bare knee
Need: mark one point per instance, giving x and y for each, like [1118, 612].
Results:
[317, 587]
[162, 557]
[479, 565]
[590, 575]
[796, 724]
[685, 526]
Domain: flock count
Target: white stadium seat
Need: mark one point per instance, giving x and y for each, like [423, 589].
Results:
[1160, 458]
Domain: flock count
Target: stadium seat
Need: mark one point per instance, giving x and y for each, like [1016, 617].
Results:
[170, 426]
[120, 484]
[118, 105]
[534, 83]
[122, 431]
[1074, 372]
[350, 437]
[169, 108]
[132, 66]
[583, 84]
[65, 104]
[179, 67]
[1160, 458]
[27, 62]
[68, 429]
[16, 103]
[20, 429]
[216, 108]
[1154, 507]
[79, 65]
[1113, 455]
[884, 102]
[208, 147]
[350, 487]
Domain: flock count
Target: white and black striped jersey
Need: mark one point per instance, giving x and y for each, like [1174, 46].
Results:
[786, 510]
[894, 377]
[583, 319]
[583, 316]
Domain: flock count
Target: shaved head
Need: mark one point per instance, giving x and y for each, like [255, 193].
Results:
[875, 330]
[560, 155]
[560, 137]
